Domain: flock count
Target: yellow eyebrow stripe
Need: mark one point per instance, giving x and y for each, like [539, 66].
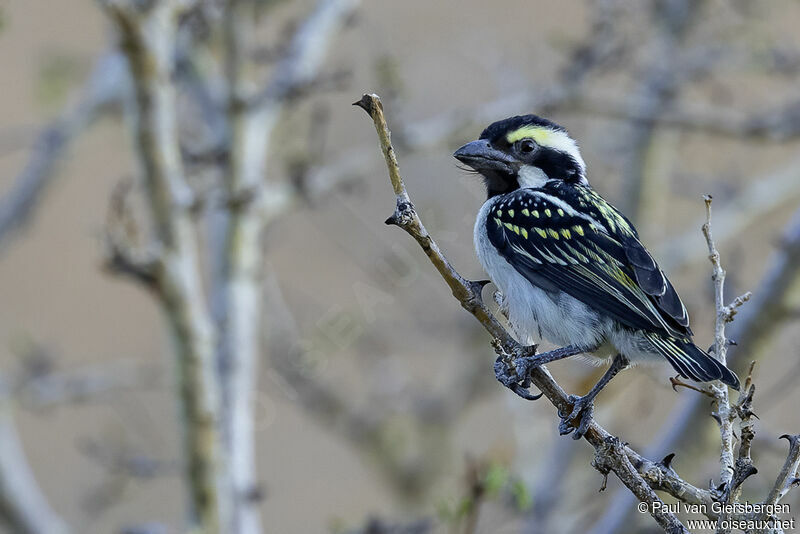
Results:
[540, 134]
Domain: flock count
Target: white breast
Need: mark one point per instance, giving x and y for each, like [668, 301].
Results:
[535, 313]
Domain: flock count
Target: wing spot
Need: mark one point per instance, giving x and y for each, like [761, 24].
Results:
[547, 212]
[552, 233]
[498, 221]
[509, 226]
[566, 233]
[524, 232]
[560, 212]
[526, 213]
[499, 213]
[511, 213]
[541, 232]
[578, 229]
[516, 229]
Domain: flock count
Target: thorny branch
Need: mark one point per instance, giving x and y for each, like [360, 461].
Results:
[734, 472]
[752, 331]
[725, 414]
[641, 476]
[611, 454]
[789, 477]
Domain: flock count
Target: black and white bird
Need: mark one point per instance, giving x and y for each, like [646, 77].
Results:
[570, 266]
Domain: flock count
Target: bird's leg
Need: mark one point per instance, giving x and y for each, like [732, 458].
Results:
[515, 375]
[583, 407]
[525, 364]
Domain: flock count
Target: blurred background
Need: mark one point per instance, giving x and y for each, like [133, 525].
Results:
[375, 408]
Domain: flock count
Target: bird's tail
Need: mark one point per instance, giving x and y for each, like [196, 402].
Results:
[691, 361]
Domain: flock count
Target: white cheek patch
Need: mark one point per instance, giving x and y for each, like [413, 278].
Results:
[531, 177]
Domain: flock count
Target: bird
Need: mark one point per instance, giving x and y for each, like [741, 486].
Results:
[571, 267]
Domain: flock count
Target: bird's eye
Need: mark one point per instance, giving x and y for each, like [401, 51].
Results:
[526, 146]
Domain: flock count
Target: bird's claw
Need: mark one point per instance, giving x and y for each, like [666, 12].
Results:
[582, 412]
[508, 374]
[524, 365]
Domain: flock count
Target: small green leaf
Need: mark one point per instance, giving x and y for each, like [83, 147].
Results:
[496, 477]
[522, 497]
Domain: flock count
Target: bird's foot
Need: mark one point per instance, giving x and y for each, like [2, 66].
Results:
[582, 412]
[525, 364]
[514, 377]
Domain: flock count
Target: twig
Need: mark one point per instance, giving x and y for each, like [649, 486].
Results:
[744, 468]
[602, 45]
[755, 325]
[726, 414]
[667, 72]
[251, 205]
[105, 86]
[676, 382]
[23, 507]
[53, 389]
[366, 427]
[148, 38]
[788, 476]
[720, 351]
[611, 455]
[778, 124]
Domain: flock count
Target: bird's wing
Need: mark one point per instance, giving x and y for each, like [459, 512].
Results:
[570, 239]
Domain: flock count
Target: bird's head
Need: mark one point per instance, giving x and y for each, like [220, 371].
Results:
[523, 151]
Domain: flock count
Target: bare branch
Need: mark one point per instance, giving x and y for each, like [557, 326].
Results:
[788, 476]
[147, 38]
[23, 507]
[51, 389]
[778, 124]
[251, 204]
[365, 426]
[611, 455]
[725, 414]
[752, 330]
[677, 382]
[105, 86]
[744, 468]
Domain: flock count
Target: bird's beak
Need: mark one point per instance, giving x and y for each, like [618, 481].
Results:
[482, 156]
